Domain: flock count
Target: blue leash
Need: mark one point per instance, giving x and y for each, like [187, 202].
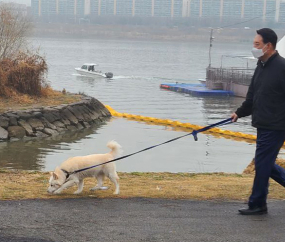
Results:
[194, 133]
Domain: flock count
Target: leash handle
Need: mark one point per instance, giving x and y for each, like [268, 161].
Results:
[194, 133]
[221, 123]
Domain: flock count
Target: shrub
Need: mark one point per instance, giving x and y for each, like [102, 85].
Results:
[25, 73]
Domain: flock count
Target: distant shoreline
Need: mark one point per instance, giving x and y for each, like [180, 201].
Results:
[130, 32]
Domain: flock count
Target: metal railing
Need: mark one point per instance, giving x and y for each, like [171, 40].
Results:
[240, 76]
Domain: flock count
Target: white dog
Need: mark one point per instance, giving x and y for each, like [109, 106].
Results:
[63, 178]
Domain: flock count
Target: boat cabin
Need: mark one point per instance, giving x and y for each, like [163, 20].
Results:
[89, 67]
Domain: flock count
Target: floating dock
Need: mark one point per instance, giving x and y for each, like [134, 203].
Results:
[195, 89]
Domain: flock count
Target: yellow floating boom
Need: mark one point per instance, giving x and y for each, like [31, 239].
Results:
[182, 126]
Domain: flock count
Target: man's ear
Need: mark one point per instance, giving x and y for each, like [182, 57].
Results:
[270, 45]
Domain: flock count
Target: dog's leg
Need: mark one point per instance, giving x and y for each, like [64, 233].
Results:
[99, 186]
[113, 179]
[65, 185]
[80, 187]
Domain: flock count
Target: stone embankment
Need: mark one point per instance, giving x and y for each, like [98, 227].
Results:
[50, 121]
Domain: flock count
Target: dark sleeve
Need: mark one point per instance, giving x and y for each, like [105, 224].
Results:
[246, 108]
[283, 80]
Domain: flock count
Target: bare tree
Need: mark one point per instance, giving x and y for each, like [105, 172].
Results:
[14, 29]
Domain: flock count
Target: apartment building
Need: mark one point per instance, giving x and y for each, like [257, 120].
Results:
[267, 10]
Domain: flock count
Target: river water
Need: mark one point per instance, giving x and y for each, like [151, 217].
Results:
[139, 68]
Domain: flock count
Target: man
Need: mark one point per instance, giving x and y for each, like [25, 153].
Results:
[265, 101]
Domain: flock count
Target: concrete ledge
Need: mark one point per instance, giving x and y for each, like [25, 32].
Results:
[51, 120]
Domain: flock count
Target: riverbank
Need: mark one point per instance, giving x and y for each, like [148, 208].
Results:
[18, 185]
[141, 32]
[44, 121]
[136, 32]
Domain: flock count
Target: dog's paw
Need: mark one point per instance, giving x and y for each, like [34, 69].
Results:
[77, 192]
[116, 193]
[98, 188]
[57, 192]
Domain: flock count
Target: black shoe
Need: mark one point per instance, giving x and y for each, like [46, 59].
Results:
[253, 210]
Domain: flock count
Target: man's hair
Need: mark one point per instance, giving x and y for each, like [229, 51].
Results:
[268, 36]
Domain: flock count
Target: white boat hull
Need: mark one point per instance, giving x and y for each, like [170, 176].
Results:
[90, 73]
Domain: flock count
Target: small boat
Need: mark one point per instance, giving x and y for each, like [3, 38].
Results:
[88, 69]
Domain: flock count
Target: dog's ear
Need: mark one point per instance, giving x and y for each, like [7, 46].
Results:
[55, 177]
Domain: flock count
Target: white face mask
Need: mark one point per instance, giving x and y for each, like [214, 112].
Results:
[257, 53]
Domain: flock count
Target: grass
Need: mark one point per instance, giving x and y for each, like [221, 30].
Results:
[50, 98]
[17, 185]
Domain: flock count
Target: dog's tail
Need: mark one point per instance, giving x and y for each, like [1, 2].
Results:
[116, 149]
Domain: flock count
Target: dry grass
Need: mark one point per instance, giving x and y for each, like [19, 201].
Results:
[49, 98]
[24, 73]
[250, 169]
[23, 84]
[32, 185]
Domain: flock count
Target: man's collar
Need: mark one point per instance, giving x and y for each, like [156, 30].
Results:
[264, 63]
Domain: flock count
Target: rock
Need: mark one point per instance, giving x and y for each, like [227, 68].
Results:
[60, 107]
[3, 134]
[76, 112]
[48, 110]
[95, 104]
[40, 134]
[37, 114]
[56, 115]
[68, 115]
[60, 130]
[59, 124]
[95, 115]
[16, 132]
[92, 106]
[13, 121]
[86, 125]
[36, 124]
[86, 116]
[65, 121]
[9, 114]
[86, 113]
[47, 124]
[50, 132]
[71, 127]
[79, 126]
[49, 117]
[4, 122]
[24, 115]
[106, 113]
[27, 127]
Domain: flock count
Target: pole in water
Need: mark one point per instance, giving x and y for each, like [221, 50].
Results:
[210, 47]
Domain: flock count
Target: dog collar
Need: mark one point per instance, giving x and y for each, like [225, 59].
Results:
[66, 173]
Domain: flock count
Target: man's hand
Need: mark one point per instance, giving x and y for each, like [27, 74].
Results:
[234, 117]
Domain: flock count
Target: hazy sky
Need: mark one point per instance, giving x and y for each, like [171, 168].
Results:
[27, 2]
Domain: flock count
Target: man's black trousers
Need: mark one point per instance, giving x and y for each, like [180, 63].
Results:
[268, 144]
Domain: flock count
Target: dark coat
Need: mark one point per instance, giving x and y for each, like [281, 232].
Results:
[265, 99]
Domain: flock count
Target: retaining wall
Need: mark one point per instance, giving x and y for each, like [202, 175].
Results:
[52, 120]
